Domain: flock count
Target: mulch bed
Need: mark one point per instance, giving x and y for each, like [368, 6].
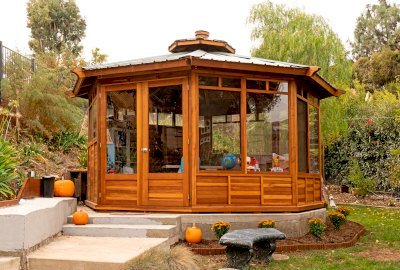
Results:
[347, 236]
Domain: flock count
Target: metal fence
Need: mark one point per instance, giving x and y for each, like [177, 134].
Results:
[11, 60]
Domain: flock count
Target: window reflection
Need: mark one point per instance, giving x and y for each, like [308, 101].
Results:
[165, 129]
[314, 139]
[267, 132]
[302, 135]
[219, 130]
[121, 132]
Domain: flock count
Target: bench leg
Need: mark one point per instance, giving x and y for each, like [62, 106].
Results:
[238, 258]
[263, 251]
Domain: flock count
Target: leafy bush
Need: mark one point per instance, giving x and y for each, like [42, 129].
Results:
[8, 172]
[337, 219]
[344, 210]
[66, 141]
[266, 224]
[373, 131]
[363, 185]
[83, 159]
[317, 226]
[220, 228]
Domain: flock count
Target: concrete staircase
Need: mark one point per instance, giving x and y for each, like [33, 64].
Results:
[108, 242]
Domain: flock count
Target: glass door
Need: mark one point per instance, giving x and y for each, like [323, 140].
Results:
[165, 153]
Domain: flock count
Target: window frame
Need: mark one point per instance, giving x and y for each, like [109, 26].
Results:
[243, 118]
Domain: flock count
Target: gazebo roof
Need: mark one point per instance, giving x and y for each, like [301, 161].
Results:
[201, 53]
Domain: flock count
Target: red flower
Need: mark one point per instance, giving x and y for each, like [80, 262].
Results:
[370, 122]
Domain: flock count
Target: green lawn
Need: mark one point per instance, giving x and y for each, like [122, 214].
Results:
[383, 235]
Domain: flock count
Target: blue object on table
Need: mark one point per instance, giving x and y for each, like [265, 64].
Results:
[228, 161]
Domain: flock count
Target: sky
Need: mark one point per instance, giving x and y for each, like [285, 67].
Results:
[129, 29]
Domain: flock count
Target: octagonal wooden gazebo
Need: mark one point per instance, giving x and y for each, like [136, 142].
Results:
[204, 130]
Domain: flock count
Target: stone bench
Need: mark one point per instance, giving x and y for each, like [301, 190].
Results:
[243, 245]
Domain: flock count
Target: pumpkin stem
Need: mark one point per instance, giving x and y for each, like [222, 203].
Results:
[194, 225]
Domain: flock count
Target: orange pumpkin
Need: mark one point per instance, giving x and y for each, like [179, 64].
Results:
[64, 188]
[80, 218]
[193, 234]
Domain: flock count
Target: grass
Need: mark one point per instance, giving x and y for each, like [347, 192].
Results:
[383, 233]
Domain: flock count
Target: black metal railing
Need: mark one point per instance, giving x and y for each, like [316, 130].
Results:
[11, 60]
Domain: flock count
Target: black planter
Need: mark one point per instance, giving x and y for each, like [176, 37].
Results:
[48, 186]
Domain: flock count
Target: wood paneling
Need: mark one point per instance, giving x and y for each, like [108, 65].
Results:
[212, 190]
[245, 190]
[276, 190]
[121, 192]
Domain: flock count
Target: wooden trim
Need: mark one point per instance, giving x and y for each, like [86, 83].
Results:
[165, 82]
[101, 148]
[193, 127]
[247, 67]
[120, 87]
[185, 140]
[243, 126]
[202, 71]
[229, 190]
[151, 67]
[207, 208]
[145, 143]
[219, 88]
[221, 45]
[293, 143]
[139, 142]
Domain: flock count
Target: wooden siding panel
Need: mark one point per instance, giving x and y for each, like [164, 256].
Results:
[165, 189]
[245, 190]
[301, 187]
[277, 190]
[121, 192]
[211, 190]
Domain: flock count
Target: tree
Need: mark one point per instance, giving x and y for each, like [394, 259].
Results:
[378, 70]
[292, 35]
[56, 25]
[98, 57]
[378, 27]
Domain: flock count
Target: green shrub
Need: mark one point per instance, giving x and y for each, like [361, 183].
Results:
[220, 228]
[344, 210]
[8, 172]
[363, 185]
[68, 140]
[337, 219]
[317, 226]
[83, 159]
[266, 224]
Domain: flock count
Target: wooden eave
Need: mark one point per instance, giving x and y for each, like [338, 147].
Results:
[200, 44]
[86, 78]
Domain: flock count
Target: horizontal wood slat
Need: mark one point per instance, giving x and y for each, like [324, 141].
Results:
[211, 190]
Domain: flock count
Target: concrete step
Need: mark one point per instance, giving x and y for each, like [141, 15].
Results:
[9, 263]
[134, 219]
[90, 253]
[121, 230]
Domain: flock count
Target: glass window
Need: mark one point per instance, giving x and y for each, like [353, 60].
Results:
[208, 81]
[314, 139]
[121, 132]
[302, 135]
[231, 82]
[165, 129]
[256, 85]
[278, 86]
[267, 132]
[219, 130]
